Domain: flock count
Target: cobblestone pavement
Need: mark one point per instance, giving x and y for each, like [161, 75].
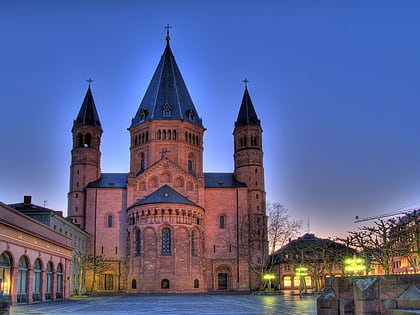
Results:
[211, 304]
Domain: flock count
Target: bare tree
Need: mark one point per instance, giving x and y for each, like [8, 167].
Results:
[381, 242]
[281, 228]
[96, 264]
[256, 244]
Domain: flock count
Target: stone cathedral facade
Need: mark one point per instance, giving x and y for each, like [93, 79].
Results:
[166, 225]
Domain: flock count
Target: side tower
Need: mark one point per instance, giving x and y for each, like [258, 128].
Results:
[249, 169]
[85, 157]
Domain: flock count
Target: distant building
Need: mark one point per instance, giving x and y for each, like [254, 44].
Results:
[166, 225]
[307, 261]
[35, 261]
[55, 220]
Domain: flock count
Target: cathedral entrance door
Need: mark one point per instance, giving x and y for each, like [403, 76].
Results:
[222, 281]
[109, 282]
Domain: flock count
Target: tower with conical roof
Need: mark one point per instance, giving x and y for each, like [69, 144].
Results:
[85, 157]
[166, 124]
[249, 168]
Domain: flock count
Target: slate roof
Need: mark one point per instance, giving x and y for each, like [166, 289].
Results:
[167, 89]
[221, 180]
[88, 114]
[247, 115]
[110, 180]
[164, 194]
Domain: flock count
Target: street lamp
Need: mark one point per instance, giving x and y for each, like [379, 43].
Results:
[301, 272]
[269, 277]
[354, 265]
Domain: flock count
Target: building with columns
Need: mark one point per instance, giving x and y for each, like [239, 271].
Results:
[166, 225]
[35, 260]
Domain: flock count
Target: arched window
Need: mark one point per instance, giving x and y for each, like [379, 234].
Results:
[164, 284]
[166, 242]
[137, 250]
[164, 134]
[22, 286]
[59, 286]
[196, 284]
[287, 281]
[166, 112]
[5, 272]
[48, 288]
[134, 284]
[37, 281]
[159, 135]
[88, 140]
[80, 140]
[142, 114]
[222, 222]
[142, 161]
[174, 134]
[109, 220]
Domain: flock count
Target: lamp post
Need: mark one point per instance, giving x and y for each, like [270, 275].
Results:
[268, 277]
[354, 265]
[301, 272]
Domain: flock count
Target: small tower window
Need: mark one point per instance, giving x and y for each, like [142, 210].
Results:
[166, 112]
[142, 162]
[142, 114]
[196, 284]
[191, 114]
[222, 222]
[164, 284]
[110, 221]
[87, 142]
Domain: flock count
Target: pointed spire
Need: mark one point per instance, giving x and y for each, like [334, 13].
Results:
[88, 114]
[167, 96]
[247, 114]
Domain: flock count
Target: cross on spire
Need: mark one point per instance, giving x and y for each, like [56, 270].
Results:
[89, 81]
[246, 82]
[168, 38]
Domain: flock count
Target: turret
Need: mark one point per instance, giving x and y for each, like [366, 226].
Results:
[249, 169]
[85, 157]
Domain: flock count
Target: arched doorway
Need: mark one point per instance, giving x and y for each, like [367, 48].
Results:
[5, 273]
[22, 285]
[59, 289]
[49, 279]
[37, 281]
[223, 278]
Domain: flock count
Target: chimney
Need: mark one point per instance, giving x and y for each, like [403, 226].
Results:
[27, 200]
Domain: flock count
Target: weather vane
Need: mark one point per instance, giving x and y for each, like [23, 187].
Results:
[245, 81]
[89, 81]
[167, 32]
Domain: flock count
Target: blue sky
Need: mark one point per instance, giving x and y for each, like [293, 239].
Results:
[335, 84]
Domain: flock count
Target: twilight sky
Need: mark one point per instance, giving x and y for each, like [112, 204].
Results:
[335, 84]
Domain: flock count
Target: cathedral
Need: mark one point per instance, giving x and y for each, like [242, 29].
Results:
[166, 225]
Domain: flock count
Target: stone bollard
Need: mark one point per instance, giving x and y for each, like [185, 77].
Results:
[4, 304]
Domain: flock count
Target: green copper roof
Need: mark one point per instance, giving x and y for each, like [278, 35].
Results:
[247, 115]
[88, 114]
[167, 97]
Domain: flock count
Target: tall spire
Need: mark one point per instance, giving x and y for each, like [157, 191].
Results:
[88, 114]
[247, 114]
[167, 96]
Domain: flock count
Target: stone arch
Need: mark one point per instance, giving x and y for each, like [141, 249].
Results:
[6, 265]
[165, 177]
[179, 181]
[223, 278]
[153, 182]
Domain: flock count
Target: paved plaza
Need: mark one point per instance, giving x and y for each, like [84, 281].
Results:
[175, 304]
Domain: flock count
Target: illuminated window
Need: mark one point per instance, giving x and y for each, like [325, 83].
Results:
[287, 282]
